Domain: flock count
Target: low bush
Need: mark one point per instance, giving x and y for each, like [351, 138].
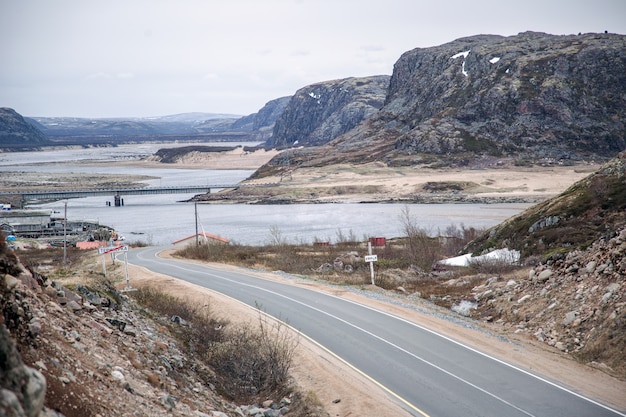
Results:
[493, 266]
[253, 361]
[250, 362]
[166, 304]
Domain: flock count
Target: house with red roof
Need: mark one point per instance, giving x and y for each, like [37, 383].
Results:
[203, 238]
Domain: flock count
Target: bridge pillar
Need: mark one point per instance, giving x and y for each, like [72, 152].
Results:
[119, 201]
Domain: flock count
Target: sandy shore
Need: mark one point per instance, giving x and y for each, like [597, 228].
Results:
[235, 159]
[376, 182]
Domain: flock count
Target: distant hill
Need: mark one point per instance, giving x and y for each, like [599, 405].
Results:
[201, 127]
[17, 133]
[262, 123]
[179, 124]
[527, 98]
[320, 112]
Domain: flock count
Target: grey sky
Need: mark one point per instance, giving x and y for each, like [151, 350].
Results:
[117, 58]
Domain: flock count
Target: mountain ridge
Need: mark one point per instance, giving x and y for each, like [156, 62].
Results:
[528, 97]
[523, 98]
[320, 112]
[16, 131]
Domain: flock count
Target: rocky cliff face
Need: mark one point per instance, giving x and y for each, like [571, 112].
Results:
[318, 113]
[531, 96]
[555, 96]
[16, 132]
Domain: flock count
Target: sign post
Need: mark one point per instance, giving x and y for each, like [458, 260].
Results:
[371, 259]
[113, 250]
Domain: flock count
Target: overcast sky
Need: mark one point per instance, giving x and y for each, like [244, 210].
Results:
[123, 58]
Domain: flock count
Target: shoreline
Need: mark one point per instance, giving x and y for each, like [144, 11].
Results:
[370, 183]
[378, 183]
[370, 199]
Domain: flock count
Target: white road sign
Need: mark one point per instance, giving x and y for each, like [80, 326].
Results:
[110, 249]
[371, 258]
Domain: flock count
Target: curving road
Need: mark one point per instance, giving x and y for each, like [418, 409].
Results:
[428, 373]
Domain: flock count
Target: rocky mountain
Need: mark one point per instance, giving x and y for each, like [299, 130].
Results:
[585, 212]
[526, 97]
[16, 132]
[320, 112]
[262, 123]
[555, 96]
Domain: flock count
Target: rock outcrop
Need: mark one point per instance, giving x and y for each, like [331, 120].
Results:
[15, 132]
[320, 112]
[23, 389]
[550, 96]
[575, 304]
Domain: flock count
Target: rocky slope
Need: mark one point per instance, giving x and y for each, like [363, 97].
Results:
[320, 112]
[15, 132]
[528, 97]
[91, 351]
[585, 212]
[576, 304]
[574, 297]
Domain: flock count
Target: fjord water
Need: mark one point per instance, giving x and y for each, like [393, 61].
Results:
[162, 219]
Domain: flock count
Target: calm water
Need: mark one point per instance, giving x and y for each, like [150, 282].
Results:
[161, 219]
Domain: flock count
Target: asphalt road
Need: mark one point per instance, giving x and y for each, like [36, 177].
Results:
[427, 373]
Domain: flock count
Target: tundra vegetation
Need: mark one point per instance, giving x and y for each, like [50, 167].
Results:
[341, 262]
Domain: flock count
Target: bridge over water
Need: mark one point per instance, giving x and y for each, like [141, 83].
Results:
[116, 193]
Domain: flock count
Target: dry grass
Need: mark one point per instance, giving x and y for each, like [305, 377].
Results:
[405, 263]
[254, 361]
[250, 362]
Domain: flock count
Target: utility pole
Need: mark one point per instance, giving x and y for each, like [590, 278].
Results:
[65, 235]
[195, 206]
